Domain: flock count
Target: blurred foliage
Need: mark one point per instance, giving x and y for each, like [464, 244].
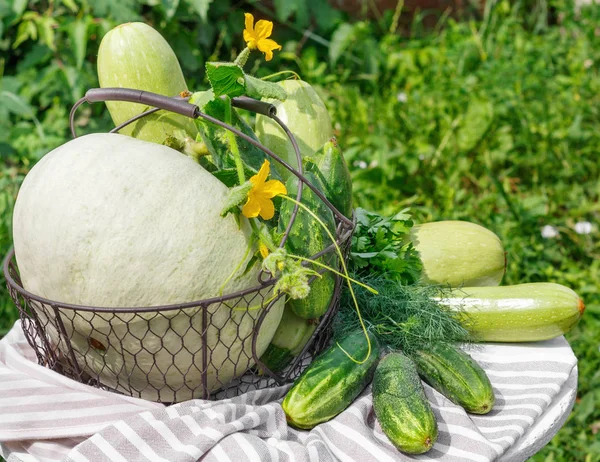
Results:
[494, 119]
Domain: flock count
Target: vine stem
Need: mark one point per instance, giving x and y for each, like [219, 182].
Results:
[235, 150]
[270, 76]
[242, 58]
[322, 265]
[346, 276]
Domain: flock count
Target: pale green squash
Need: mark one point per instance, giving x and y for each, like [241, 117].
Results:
[134, 55]
[107, 220]
[459, 253]
[305, 115]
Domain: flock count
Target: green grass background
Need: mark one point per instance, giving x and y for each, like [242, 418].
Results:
[493, 119]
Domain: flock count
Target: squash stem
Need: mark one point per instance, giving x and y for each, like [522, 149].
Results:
[262, 238]
[345, 275]
[242, 58]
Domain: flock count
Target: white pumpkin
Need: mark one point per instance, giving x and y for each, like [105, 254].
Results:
[111, 221]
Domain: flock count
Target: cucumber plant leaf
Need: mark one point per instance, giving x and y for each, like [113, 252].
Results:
[256, 88]
[226, 79]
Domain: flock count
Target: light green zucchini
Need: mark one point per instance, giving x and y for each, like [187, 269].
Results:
[459, 253]
[134, 55]
[517, 313]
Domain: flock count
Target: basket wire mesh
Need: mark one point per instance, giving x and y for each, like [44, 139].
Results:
[207, 349]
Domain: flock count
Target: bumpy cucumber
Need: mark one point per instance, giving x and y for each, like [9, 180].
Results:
[331, 382]
[289, 340]
[517, 313]
[459, 253]
[401, 406]
[329, 165]
[306, 238]
[457, 376]
[134, 55]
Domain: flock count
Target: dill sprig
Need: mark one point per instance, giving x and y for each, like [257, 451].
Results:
[404, 317]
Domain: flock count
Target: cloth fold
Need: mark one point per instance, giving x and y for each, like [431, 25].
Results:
[45, 416]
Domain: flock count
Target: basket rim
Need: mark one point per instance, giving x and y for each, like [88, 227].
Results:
[10, 261]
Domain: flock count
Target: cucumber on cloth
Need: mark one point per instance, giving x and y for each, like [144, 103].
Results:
[332, 381]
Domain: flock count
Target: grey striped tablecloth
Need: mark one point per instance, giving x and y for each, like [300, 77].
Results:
[45, 416]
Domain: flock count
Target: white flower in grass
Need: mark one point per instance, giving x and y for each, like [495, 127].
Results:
[549, 232]
[360, 164]
[402, 97]
[583, 227]
[588, 63]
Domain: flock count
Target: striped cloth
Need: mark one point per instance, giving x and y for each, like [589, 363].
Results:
[47, 417]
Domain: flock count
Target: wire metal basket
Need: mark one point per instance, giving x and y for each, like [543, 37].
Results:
[207, 349]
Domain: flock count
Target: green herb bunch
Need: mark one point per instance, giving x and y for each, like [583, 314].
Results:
[401, 311]
[380, 246]
[404, 317]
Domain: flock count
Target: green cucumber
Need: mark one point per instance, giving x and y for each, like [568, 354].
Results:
[401, 406]
[306, 238]
[290, 338]
[457, 376]
[134, 55]
[517, 313]
[329, 165]
[331, 382]
[305, 115]
[459, 253]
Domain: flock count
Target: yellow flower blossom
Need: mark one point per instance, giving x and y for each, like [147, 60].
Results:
[259, 198]
[256, 37]
[264, 250]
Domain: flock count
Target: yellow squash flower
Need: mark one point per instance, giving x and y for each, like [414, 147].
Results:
[259, 198]
[264, 250]
[256, 37]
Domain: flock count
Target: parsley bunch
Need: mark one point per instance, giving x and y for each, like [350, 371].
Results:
[381, 246]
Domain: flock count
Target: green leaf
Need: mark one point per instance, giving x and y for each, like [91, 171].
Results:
[170, 7]
[26, 30]
[256, 88]
[201, 7]
[325, 15]
[588, 404]
[18, 6]
[71, 5]
[475, 124]
[216, 140]
[226, 79]
[236, 197]
[15, 104]
[46, 27]
[227, 176]
[380, 247]
[341, 39]
[285, 8]
[79, 39]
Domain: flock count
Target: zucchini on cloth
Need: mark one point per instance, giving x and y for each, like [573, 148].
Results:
[536, 385]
